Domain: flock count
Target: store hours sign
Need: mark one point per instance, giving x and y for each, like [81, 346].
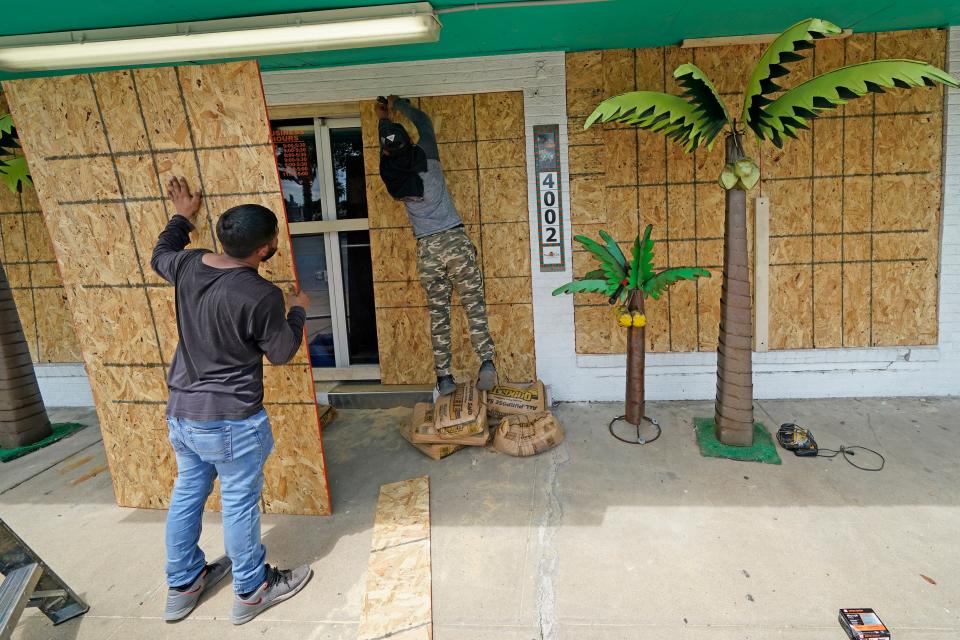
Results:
[546, 141]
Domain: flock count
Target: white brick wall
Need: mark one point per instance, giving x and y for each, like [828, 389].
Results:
[541, 77]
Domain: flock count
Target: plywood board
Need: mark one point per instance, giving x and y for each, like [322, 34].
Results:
[484, 159]
[835, 193]
[100, 148]
[397, 599]
[31, 265]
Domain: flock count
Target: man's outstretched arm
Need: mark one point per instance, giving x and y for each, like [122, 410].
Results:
[423, 123]
[176, 236]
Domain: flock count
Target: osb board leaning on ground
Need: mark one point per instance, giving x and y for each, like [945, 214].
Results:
[854, 202]
[482, 150]
[31, 265]
[100, 147]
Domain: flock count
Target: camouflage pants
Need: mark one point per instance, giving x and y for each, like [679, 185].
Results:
[446, 260]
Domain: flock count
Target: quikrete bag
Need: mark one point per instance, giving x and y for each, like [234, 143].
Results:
[514, 399]
[456, 412]
[423, 414]
[527, 434]
[424, 431]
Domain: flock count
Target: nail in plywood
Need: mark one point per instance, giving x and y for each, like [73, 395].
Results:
[124, 316]
[397, 598]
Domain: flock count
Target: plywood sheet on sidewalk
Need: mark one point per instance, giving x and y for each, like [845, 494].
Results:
[854, 202]
[100, 148]
[397, 601]
[31, 264]
[482, 149]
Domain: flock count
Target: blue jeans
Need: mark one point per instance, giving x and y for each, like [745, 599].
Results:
[236, 451]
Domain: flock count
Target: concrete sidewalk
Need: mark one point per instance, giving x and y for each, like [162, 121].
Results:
[594, 540]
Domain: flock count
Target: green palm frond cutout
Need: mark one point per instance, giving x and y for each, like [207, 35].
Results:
[15, 173]
[585, 286]
[634, 274]
[700, 91]
[672, 116]
[641, 276]
[596, 274]
[771, 65]
[6, 124]
[656, 285]
[614, 249]
[646, 255]
[614, 271]
[795, 108]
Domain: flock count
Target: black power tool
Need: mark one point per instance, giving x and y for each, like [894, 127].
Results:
[793, 437]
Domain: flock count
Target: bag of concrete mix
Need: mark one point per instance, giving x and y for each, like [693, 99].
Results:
[514, 399]
[422, 413]
[527, 434]
[461, 413]
[423, 428]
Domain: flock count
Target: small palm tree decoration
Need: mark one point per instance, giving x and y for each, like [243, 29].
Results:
[698, 116]
[629, 283]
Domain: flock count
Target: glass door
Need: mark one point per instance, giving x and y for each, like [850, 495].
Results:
[324, 190]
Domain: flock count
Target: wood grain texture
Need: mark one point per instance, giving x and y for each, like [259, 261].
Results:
[482, 149]
[837, 195]
[397, 599]
[28, 256]
[101, 146]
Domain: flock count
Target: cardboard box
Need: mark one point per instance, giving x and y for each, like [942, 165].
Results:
[515, 399]
[423, 428]
[527, 434]
[465, 406]
[863, 624]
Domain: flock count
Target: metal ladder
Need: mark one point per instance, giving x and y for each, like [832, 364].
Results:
[29, 582]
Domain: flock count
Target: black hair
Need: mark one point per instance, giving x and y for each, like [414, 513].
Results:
[245, 228]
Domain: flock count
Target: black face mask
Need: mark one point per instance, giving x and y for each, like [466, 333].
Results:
[269, 255]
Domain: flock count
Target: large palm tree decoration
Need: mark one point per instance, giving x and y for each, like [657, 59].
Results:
[23, 416]
[629, 283]
[698, 116]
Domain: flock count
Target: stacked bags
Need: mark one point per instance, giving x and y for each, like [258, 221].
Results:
[523, 425]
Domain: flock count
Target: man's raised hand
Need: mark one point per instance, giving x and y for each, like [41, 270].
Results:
[297, 298]
[185, 203]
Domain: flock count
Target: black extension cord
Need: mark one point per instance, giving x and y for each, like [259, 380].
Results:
[793, 437]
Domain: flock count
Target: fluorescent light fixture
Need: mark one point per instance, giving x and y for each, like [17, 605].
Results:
[218, 39]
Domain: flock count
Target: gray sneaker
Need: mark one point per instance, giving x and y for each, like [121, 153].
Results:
[181, 603]
[279, 586]
[487, 377]
[446, 385]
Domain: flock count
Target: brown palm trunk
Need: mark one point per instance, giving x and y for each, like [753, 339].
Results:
[23, 416]
[734, 407]
[636, 351]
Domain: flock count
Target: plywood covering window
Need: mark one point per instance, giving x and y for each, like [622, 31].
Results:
[31, 265]
[481, 139]
[854, 203]
[101, 147]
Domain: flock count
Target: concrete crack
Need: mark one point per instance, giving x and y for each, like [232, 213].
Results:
[549, 564]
